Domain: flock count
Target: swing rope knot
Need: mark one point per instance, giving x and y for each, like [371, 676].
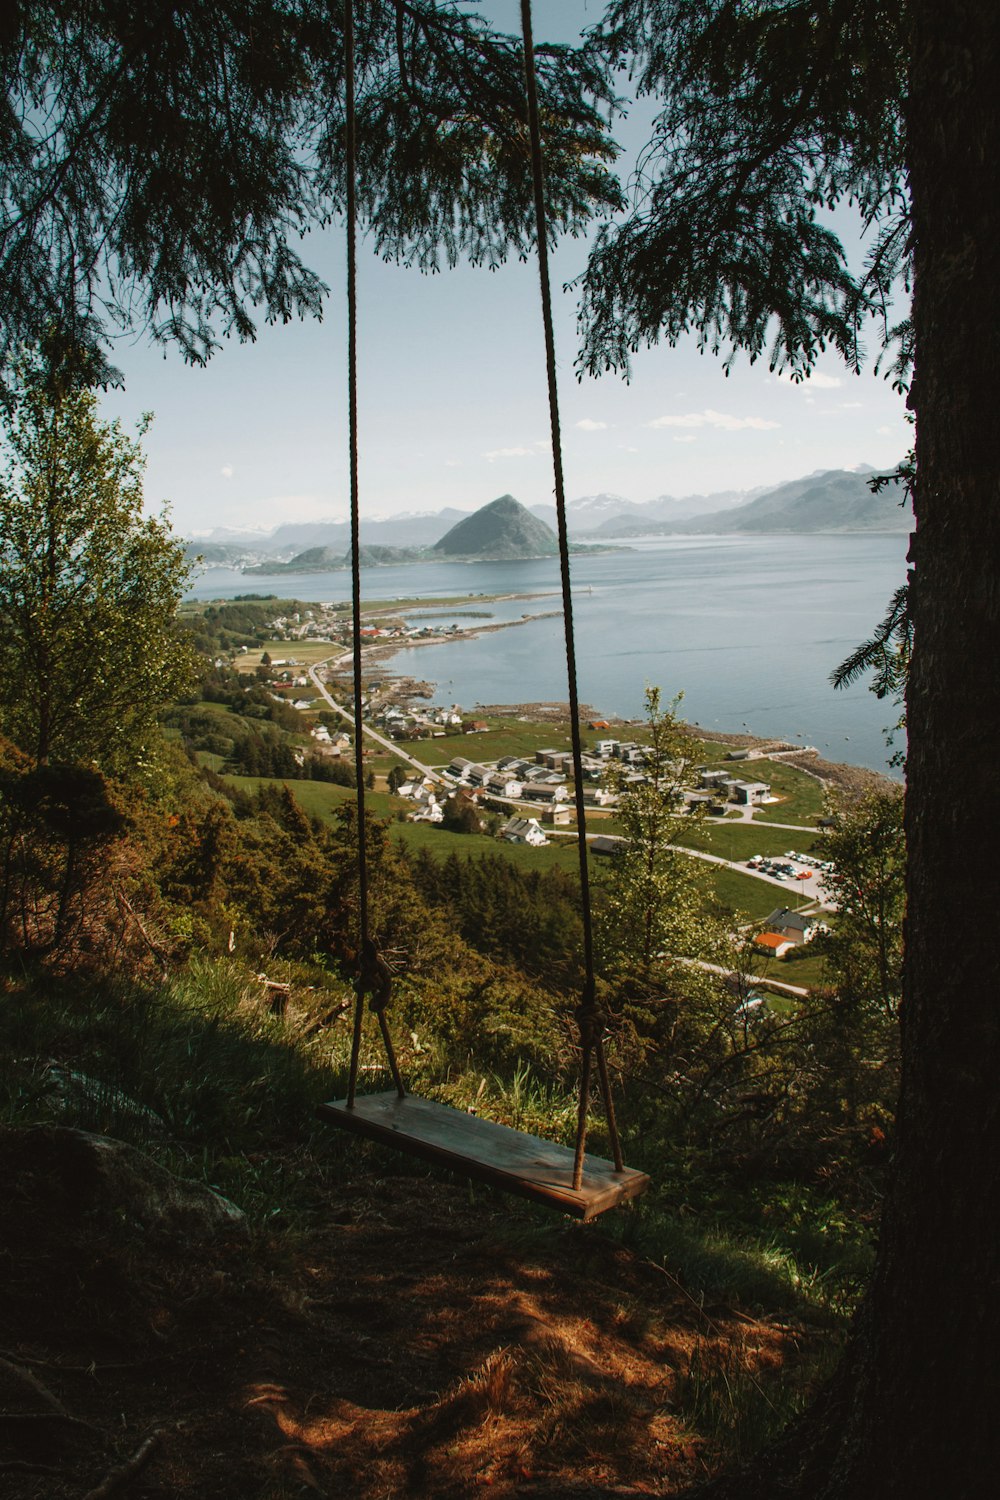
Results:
[591, 1016]
[374, 977]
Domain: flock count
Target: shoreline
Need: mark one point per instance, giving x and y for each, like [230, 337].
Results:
[844, 776]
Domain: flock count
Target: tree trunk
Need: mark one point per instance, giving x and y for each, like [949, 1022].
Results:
[923, 1417]
[913, 1412]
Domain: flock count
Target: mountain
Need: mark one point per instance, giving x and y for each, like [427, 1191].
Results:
[606, 515]
[687, 507]
[503, 529]
[312, 560]
[834, 500]
[667, 512]
[828, 500]
[328, 560]
[409, 530]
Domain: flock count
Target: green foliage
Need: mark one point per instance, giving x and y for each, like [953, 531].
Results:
[88, 585]
[653, 901]
[868, 850]
[768, 113]
[461, 815]
[159, 166]
[885, 656]
[530, 918]
[58, 825]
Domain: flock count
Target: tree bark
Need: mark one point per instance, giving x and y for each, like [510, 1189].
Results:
[923, 1417]
[913, 1411]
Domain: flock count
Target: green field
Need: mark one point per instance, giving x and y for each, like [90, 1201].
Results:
[804, 965]
[734, 891]
[744, 893]
[738, 841]
[320, 799]
[504, 737]
[559, 854]
[802, 795]
[306, 653]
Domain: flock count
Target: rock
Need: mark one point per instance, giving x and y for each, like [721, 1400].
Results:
[69, 1092]
[107, 1177]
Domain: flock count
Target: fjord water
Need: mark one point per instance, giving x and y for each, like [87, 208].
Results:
[749, 628]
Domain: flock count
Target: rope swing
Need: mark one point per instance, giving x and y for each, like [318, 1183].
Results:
[570, 1180]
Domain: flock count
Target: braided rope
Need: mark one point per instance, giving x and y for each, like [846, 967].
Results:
[588, 1016]
[372, 976]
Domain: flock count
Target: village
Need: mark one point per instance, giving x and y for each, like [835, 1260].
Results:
[524, 796]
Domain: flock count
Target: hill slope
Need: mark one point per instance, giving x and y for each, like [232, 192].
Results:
[837, 500]
[503, 529]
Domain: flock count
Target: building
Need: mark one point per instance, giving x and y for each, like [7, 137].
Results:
[523, 831]
[548, 795]
[792, 925]
[599, 796]
[751, 793]
[773, 943]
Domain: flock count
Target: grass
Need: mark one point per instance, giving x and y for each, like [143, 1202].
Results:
[737, 841]
[739, 1409]
[559, 854]
[802, 795]
[307, 653]
[196, 1070]
[743, 893]
[319, 799]
[509, 736]
[803, 965]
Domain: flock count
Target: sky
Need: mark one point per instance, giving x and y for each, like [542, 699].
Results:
[453, 406]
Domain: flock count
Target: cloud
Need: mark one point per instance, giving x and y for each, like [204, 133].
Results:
[588, 425]
[817, 380]
[686, 437]
[709, 418]
[509, 453]
[453, 463]
[226, 471]
[852, 405]
[884, 431]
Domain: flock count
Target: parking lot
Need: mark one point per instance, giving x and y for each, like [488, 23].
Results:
[801, 876]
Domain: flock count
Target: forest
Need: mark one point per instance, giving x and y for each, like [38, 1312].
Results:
[204, 1288]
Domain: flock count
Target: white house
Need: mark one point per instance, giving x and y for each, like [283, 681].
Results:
[523, 831]
[548, 794]
[773, 943]
[751, 793]
[598, 796]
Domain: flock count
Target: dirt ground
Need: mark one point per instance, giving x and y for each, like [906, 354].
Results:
[415, 1337]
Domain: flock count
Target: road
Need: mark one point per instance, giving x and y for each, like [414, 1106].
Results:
[796, 990]
[373, 734]
[811, 888]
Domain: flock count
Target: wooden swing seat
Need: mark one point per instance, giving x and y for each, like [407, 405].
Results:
[491, 1153]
